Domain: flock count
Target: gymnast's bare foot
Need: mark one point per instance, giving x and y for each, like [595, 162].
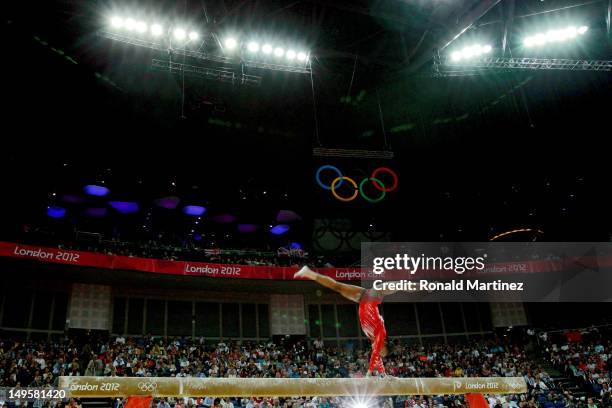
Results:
[305, 272]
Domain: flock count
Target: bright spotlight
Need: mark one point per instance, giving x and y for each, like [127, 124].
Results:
[290, 55]
[231, 43]
[467, 52]
[130, 24]
[141, 26]
[267, 49]
[456, 56]
[117, 22]
[278, 51]
[582, 29]
[301, 56]
[193, 36]
[156, 30]
[539, 39]
[360, 405]
[179, 34]
[253, 46]
[528, 42]
[571, 31]
[487, 49]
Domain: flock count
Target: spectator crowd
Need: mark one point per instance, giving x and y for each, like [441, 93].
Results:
[39, 364]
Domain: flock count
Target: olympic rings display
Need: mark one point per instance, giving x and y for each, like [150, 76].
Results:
[351, 182]
[358, 189]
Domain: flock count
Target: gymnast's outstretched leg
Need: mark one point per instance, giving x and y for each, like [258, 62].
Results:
[351, 292]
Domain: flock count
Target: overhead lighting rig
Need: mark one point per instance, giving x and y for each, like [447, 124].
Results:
[184, 40]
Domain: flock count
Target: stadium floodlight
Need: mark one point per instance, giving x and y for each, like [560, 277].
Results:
[470, 52]
[279, 52]
[230, 43]
[180, 34]
[130, 24]
[253, 46]
[290, 55]
[157, 30]
[267, 49]
[141, 26]
[301, 56]
[117, 22]
[193, 36]
[554, 36]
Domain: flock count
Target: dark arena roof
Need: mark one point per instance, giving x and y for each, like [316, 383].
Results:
[478, 149]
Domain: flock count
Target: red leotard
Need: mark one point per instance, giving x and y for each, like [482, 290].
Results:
[373, 327]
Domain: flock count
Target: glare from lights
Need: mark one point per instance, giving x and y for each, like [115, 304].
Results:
[290, 55]
[130, 24]
[582, 29]
[193, 36]
[231, 43]
[456, 56]
[487, 49]
[361, 403]
[301, 56]
[156, 30]
[117, 22]
[253, 46]
[141, 26]
[267, 49]
[179, 34]
[278, 51]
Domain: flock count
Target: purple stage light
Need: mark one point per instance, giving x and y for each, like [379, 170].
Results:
[169, 203]
[295, 245]
[96, 211]
[247, 227]
[197, 237]
[194, 210]
[73, 199]
[224, 218]
[124, 207]
[56, 212]
[98, 191]
[287, 216]
[279, 229]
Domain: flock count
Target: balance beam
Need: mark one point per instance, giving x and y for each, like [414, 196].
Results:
[84, 387]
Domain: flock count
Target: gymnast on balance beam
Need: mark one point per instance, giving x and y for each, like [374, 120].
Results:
[371, 321]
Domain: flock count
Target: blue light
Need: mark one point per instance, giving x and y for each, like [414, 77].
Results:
[295, 245]
[124, 207]
[279, 229]
[194, 210]
[98, 191]
[56, 212]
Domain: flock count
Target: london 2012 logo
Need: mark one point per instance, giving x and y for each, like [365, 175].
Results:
[357, 189]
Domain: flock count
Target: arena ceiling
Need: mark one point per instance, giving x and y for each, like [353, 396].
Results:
[475, 155]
